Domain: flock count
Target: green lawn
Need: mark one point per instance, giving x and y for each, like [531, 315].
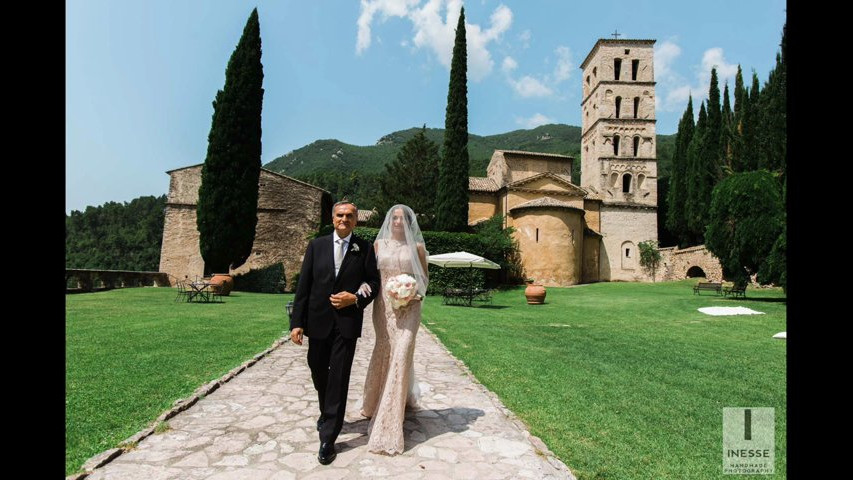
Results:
[620, 380]
[626, 380]
[130, 353]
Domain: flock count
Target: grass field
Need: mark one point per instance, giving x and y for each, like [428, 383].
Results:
[626, 380]
[620, 380]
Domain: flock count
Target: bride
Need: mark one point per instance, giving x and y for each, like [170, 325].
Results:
[390, 384]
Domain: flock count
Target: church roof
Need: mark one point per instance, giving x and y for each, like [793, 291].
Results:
[560, 178]
[536, 154]
[482, 184]
[545, 202]
[591, 233]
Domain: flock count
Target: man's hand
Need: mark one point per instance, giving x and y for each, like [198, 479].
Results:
[342, 300]
[296, 336]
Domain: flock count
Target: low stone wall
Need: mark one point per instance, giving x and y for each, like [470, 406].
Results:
[675, 263]
[88, 280]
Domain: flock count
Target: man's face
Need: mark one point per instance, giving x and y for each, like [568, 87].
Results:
[344, 219]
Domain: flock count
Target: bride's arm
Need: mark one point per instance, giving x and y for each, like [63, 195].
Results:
[422, 258]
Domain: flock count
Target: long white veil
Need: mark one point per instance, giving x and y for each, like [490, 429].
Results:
[410, 236]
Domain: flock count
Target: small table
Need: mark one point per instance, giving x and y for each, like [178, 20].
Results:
[200, 292]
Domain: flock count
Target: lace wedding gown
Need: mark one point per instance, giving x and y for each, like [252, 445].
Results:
[390, 375]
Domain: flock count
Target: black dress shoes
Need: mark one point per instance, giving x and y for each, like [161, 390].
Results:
[327, 453]
[320, 422]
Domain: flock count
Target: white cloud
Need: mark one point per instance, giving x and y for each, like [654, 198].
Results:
[534, 121]
[437, 34]
[525, 37]
[665, 55]
[369, 8]
[677, 89]
[530, 87]
[563, 70]
[509, 64]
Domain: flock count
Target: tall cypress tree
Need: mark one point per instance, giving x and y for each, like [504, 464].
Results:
[675, 220]
[228, 195]
[726, 134]
[741, 100]
[711, 153]
[773, 115]
[452, 199]
[696, 202]
[751, 128]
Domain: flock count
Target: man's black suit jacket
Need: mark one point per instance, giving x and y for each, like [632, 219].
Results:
[312, 310]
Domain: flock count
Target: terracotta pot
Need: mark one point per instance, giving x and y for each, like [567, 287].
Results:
[225, 282]
[535, 294]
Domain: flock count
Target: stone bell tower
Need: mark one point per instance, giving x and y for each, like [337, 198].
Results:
[618, 150]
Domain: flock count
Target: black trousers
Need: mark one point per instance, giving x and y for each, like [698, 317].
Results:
[330, 361]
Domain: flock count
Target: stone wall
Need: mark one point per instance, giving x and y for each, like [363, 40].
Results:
[625, 227]
[554, 256]
[481, 206]
[675, 263]
[289, 211]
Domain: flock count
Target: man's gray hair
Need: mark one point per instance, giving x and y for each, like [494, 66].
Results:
[345, 202]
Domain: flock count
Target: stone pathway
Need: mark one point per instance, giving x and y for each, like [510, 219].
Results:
[261, 425]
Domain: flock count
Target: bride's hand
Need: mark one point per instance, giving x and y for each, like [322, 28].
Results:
[365, 289]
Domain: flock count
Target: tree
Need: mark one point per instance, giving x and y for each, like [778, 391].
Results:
[228, 195]
[746, 219]
[412, 179]
[741, 101]
[676, 220]
[697, 203]
[452, 199]
[726, 134]
[649, 256]
[773, 114]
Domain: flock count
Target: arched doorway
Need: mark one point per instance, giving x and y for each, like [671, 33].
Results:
[694, 272]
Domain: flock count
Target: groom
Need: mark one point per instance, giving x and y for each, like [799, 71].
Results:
[328, 310]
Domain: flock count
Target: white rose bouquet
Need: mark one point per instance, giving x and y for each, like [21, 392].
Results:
[400, 290]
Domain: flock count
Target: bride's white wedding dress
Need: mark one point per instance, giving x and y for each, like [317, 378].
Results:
[390, 384]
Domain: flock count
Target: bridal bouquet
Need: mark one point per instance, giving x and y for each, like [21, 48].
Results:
[401, 290]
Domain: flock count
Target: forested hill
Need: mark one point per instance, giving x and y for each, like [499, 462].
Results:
[334, 155]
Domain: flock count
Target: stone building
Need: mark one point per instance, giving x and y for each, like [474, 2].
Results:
[288, 211]
[568, 233]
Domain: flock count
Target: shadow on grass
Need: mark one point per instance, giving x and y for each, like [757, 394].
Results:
[759, 299]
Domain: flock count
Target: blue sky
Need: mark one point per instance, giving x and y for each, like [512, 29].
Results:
[141, 76]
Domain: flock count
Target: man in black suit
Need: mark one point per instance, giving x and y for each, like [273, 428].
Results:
[328, 308]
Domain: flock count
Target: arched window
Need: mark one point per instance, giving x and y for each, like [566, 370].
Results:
[636, 107]
[626, 183]
[618, 105]
[636, 145]
[635, 67]
[617, 66]
[629, 255]
[615, 145]
[595, 72]
[641, 181]
[614, 177]
[587, 79]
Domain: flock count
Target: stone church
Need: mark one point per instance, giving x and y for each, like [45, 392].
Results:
[569, 234]
[289, 211]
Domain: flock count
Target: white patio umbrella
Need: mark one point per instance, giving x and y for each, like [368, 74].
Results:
[462, 260]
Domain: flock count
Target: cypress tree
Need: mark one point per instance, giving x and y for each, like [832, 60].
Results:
[676, 221]
[228, 195]
[696, 202]
[741, 100]
[711, 153]
[774, 117]
[452, 199]
[750, 128]
[726, 134]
